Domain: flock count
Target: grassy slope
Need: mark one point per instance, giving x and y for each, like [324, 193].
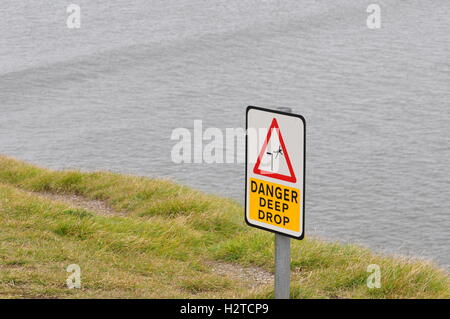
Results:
[161, 247]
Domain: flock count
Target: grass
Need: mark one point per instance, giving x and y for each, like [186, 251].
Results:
[163, 246]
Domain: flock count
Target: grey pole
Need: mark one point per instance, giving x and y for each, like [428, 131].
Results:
[282, 258]
[282, 266]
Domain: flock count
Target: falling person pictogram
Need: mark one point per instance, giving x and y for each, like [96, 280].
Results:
[279, 152]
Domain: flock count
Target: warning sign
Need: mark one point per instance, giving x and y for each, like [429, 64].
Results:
[275, 204]
[275, 165]
[274, 137]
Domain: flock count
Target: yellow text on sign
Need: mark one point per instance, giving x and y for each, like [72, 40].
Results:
[274, 204]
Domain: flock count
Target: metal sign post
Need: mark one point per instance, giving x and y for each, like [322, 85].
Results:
[282, 266]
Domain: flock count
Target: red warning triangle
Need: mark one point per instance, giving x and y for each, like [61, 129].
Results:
[288, 178]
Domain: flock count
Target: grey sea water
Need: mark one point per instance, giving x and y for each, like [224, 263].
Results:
[377, 102]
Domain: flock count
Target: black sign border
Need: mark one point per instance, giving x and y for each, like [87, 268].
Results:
[304, 168]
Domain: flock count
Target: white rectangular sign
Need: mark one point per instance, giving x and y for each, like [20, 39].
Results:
[275, 171]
